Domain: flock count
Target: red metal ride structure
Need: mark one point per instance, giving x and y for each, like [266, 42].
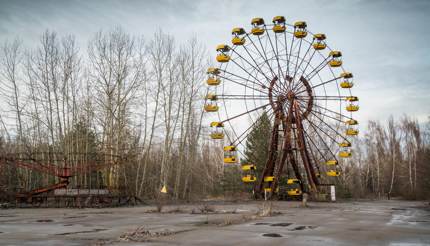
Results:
[62, 170]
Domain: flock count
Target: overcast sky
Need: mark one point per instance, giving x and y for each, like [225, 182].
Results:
[386, 44]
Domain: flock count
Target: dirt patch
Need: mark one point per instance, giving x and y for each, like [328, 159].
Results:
[272, 235]
[79, 232]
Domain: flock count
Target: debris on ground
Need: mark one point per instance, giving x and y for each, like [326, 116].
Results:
[141, 234]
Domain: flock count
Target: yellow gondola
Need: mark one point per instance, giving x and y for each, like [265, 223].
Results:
[279, 24]
[351, 132]
[333, 173]
[351, 122]
[213, 81]
[345, 144]
[293, 181]
[249, 178]
[211, 96]
[238, 40]
[222, 49]
[331, 162]
[345, 154]
[237, 33]
[213, 71]
[352, 108]
[336, 58]
[351, 99]
[217, 133]
[211, 108]
[300, 29]
[230, 155]
[346, 84]
[319, 44]
[269, 179]
[212, 76]
[222, 58]
[257, 24]
[294, 192]
[248, 167]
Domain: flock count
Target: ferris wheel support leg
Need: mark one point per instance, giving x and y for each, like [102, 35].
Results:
[310, 172]
[286, 151]
[270, 163]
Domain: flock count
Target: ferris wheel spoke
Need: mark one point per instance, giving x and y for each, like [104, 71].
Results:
[280, 71]
[289, 55]
[331, 111]
[301, 61]
[243, 97]
[318, 68]
[330, 127]
[242, 84]
[247, 112]
[265, 57]
[245, 133]
[320, 84]
[328, 116]
[308, 63]
[261, 55]
[256, 67]
[317, 129]
[245, 79]
[315, 145]
[296, 63]
[316, 160]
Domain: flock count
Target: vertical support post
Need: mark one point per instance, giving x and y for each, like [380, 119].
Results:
[333, 193]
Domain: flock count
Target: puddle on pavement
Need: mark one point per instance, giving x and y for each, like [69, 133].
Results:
[281, 224]
[101, 212]
[68, 224]
[6, 216]
[300, 228]
[75, 217]
[78, 232]
[44, 220]
[262, 223]
[272, 235]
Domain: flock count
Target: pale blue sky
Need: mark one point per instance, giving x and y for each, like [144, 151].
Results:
[384, 43]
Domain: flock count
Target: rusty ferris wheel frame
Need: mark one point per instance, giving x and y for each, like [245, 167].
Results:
[293, 76]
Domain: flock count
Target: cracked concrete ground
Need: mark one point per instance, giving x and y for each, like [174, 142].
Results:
[342, 223]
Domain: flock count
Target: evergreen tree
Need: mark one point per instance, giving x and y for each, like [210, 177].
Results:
[257, 143]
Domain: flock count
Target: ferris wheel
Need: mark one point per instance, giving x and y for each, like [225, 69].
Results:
[293, 77]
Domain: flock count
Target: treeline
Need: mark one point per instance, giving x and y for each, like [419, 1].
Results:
[390, 159]
[131, 103]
